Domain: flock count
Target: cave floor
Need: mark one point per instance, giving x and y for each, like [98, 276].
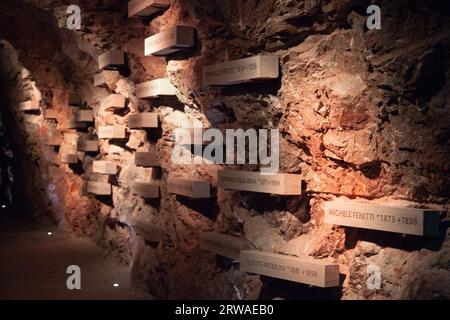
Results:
[33, 264]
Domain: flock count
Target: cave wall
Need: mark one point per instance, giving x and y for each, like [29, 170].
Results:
[363, 115]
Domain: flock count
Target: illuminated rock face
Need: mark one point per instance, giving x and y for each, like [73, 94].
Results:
[363, 115]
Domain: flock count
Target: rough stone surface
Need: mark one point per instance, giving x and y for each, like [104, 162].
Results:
[363, 114]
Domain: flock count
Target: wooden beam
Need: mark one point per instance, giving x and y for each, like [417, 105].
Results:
[169, 41]
[145, 8]
[155, 88]
[191, 188]
[413, 221]
[303, 270]
[260, 67]
[280, 183]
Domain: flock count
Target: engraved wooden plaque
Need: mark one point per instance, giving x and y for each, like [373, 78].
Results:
[385, 218]
[303, 270]
[87, 145]
[191, 188]
[30, 105]
[145, 8]
[155, 88]
[99, 79]
[143, 120]
[111, 132]
[70, 158]
[50, 114]
[224, 245]
[146, 159]
[172, 40]
[104, 167]
[113, 101]
[99, 188]
[148, 190]
[148, 232]
[260, 67]
[280, 183]
[111, 60]
[84, 115]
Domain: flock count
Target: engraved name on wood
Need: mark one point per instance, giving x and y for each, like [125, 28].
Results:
[385, 218]
[191, 188]
[260, 67]
[280, 184]
[112, 132]
[155, 88]
[143, 120]
[145, 8]
[113, 101]
[82, 115]
[104, 167]
[224, 245]
[111, 60]
[69, 158]
[99, 188]
[303, 270]
[30, 105]
[148, 232]
[50, 114]
[146, 159]
[87, 145]
[148, 190]
[169, 41]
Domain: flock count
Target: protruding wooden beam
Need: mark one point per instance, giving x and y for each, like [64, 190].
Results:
[145, 8]
[155, 88]
[191, 188]
[143, 120]
[169, 41]
[148, 190]
[303, 270]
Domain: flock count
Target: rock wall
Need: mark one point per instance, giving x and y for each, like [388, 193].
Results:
[363, 115]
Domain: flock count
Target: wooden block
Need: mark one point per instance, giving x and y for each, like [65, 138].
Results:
[145, 189]
[50, 114]
[303, 270]
[113, 101]
[148, 232]
[55, 140]
[106, 76]
[146, 159]
[111, 60]
[70, 158]
[145, 8]
[385, 218]
[260, 67]
[99, 79]
[99, 188]
[143, 120]
[30, 105]
[87, 145]
[104, 167]
[72, 124]
[191, 188]
[74, 99]
[224, 245]
[172, 40]
[280, 183]
[111, 132]
[155, 88]
[84, 115]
